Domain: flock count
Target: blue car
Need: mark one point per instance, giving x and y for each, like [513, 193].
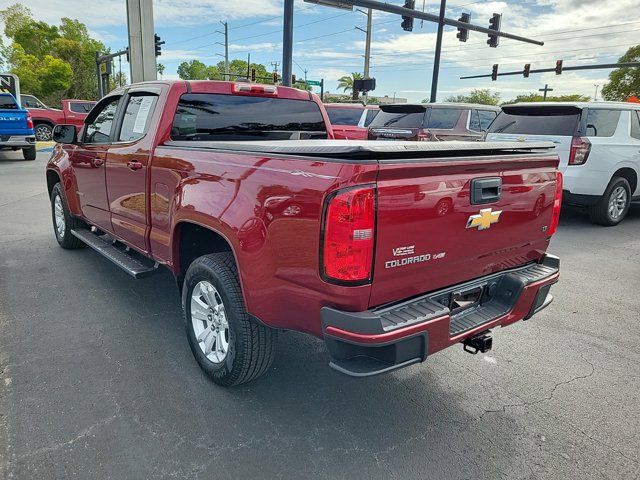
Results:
[16, 127]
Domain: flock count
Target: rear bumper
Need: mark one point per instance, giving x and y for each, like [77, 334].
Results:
[17, 141]
[569, 198]
[394, 336]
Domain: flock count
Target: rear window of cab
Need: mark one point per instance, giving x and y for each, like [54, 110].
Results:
[558, 121]
[344, 116]
[211, 117]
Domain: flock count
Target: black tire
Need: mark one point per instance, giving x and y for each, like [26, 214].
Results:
[29, 153]
[66, 240]
[251, 346]
[44, 132]
[600, 213]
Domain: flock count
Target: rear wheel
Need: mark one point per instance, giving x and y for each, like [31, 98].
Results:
[63, 221]
[29, 153]
[44, 132]
[228, 345]
[614, 204]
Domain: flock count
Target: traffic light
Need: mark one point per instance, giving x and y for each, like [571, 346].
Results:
[558, 67]
[253, 74]
[293, 79]
[275, 77]
[407, 22]
[494, 24]
[527, 70]
[463, 33]
[158, 44]
[494, 72]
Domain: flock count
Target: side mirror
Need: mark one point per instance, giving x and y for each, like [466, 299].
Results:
[65, 134]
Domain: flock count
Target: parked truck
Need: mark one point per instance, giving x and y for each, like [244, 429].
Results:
[16, 127]
[268, 224]
[73, 112]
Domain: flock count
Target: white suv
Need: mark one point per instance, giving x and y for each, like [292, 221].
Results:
[598, 144]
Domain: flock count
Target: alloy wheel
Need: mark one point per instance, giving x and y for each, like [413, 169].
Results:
[209, 321]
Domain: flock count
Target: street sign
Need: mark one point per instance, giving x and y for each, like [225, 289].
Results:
[9, 83]
[313, 83]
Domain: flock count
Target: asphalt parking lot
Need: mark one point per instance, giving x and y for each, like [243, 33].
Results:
[97, 379]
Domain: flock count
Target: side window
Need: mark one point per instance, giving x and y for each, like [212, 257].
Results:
[371, 114]
[136, 117]
[81, 107]
[635, 124]
[486, 118]
[474, 121]
[602, 123]
[99, 129]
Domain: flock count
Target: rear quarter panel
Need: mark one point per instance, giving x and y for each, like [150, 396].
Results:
[269, 209]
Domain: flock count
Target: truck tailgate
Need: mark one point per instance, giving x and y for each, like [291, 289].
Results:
[430, 235]
[13, 122]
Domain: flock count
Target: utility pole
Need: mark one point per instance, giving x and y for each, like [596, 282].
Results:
[436, 58]
[287, 43]
[545, 90]
[248, 65]
[595, 97]
[226, 50]
[367, 48]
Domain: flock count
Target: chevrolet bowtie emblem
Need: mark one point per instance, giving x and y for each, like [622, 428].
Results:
[484, 219]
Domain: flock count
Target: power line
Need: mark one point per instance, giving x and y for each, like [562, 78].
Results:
[273, 32]
[255, 23]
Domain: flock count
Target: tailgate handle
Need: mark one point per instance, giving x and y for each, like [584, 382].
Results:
[485, 190]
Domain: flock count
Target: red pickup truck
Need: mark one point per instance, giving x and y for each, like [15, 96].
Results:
[268, 224]
[73, 112]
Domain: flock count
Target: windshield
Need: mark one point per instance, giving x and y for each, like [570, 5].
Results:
[537, 121]
[444, 118]
[405, 116]
[344, 116]
[206, 116]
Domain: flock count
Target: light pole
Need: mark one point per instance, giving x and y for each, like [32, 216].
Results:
[595, 97]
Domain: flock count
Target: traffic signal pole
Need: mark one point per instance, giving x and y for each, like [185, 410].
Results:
[564, 69]
[436, 58]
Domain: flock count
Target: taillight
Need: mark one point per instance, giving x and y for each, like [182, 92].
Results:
[254, 89]
[349, 235]
[580, 148]
[557, 204]
[29, 121]
[424, 136]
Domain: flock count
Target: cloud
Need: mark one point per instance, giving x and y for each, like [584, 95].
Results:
[166, 12]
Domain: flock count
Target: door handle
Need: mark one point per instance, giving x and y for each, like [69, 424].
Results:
[133, 165]
[485, 190]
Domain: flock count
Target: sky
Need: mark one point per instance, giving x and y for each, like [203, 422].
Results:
[328, 44]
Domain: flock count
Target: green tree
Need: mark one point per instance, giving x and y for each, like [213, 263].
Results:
[160, 68]
[482, 96]
[193, 70]
[346, 84]
[43, 77]
[70, 43]
[624, 82]
[535, 97]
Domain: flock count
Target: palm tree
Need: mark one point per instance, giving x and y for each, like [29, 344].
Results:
[346, 84]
